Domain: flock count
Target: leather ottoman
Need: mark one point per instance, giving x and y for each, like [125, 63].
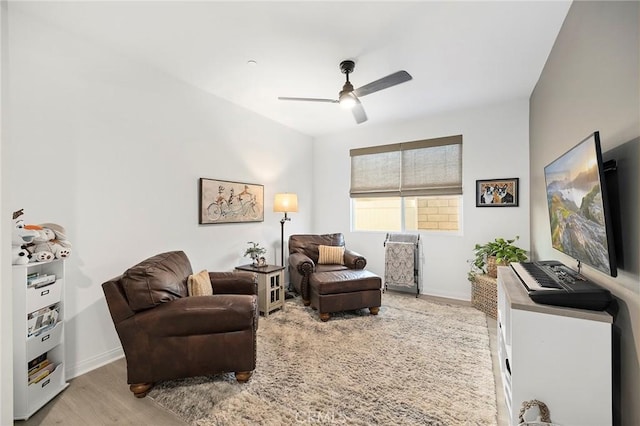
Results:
[345, 290]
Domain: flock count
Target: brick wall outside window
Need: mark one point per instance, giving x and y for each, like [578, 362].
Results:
[438, 213]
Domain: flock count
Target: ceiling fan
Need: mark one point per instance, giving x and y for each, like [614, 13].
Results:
[349, 97]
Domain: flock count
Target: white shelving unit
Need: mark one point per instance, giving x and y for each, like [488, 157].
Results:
[560, 356]
[32, 339]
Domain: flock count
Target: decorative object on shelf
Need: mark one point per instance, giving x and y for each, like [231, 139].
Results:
[284, 203]
[534, 412]
[20, 237]
[223, 201]
[262, 261]
[50, 243]
[42, 243]
[254, 251]
[497, 192]
[493, 253]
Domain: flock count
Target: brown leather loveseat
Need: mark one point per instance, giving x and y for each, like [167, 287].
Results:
[304, 255]
[167, 335]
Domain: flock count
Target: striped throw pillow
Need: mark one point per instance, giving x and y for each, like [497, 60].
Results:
[331, 255]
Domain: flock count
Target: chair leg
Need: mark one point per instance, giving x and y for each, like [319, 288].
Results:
[243, 376]
[374, 310]
[306, 302]
[324, 316]
[140, 389]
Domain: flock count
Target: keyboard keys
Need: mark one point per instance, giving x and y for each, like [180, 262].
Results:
[540, 276]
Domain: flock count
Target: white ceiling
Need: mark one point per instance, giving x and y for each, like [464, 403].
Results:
[460, 54]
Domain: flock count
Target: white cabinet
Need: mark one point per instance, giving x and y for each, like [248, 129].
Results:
[38, 336]
[560, 356]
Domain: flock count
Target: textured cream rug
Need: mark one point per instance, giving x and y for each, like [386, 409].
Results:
[416, 363]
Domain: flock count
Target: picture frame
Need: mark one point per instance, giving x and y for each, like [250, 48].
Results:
[497, 192]
[223, 201]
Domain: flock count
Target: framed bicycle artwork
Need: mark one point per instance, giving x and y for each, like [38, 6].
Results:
[224, 201]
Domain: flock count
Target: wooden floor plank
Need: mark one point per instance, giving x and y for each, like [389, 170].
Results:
[101, 397]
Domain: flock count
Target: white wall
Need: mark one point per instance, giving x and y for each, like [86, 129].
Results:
[495, 145]
[591, 82]
[6, 313]
[112, 150]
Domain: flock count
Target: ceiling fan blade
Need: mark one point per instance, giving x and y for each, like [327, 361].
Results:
[383, 83]
[358, 112]
[285, 98]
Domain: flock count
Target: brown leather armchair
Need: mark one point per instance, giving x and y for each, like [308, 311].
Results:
[167, 335]
[303, 260]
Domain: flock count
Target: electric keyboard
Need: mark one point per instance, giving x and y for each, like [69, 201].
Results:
[552, 283]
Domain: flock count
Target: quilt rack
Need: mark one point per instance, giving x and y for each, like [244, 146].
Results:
[401, 262]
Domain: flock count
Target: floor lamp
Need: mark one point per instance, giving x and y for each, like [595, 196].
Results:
[284, 203]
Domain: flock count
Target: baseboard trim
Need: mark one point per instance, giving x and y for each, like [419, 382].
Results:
[432, 298]
[92, 363]
[448, 300]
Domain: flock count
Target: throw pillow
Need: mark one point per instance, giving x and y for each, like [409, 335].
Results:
[331, 255]
[199, 284]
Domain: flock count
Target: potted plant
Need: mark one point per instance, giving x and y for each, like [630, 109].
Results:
[254, 251]
[493, 253]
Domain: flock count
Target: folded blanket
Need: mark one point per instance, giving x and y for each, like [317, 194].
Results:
[399, 264]
[403, 238]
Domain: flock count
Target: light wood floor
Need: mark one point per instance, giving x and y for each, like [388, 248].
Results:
[102, 397]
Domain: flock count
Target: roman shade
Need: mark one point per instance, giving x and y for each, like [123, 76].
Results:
[420, 168]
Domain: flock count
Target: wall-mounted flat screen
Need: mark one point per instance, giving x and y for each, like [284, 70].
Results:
[578, 206]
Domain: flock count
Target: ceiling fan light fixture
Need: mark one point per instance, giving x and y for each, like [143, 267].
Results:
[347, 99]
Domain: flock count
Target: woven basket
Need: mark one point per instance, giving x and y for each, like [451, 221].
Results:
[484, 295]
[492, 267]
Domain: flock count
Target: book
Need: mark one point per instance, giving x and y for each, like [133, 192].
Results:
[43, 372]
[42, 319]
[38, 281]
[37, 360]
[39, 366]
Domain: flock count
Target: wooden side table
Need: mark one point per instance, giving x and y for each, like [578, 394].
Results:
[270, 286]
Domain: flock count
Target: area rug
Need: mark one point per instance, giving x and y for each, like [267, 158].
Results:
[416, 363]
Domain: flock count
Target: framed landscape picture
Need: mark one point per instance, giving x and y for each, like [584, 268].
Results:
[224, 201]
[497, 192]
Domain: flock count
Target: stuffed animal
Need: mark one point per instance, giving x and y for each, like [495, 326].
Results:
[51, 242]
[39, 243]
[19, 255]
[60, 236]
[41, 249]
[20, 238]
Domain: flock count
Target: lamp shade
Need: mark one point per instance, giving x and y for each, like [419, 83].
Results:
[285, 202]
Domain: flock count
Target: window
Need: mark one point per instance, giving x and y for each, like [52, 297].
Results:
[407, 186]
